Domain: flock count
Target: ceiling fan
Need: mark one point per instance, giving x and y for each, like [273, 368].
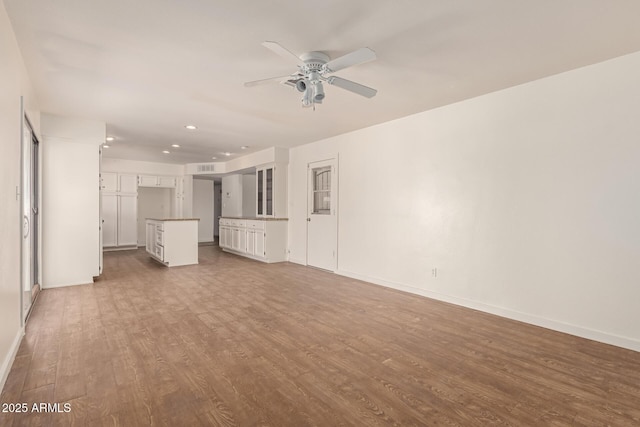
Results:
[315, 68]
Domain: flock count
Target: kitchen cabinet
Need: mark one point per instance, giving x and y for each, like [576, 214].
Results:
[157, 181]
[127, 183]
[255, 243]
[109, 182]
[119, 194]
[223, 230]
[127, 220]
[109, 220]
[271, 190]
[119, 220]
[167, 181]
[173, 242]
[260, 239]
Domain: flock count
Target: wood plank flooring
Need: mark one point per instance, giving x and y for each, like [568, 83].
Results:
[234, 342]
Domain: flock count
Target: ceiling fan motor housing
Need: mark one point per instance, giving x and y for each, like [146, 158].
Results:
[313, 63]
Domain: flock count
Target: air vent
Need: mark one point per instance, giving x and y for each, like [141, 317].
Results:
[205, 168]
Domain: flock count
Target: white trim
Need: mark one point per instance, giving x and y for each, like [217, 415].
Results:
[21, 216]
[578, 331]
[11, 356]
[298, 261]
[64, 285]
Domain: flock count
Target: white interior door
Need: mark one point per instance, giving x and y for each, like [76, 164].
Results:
[322, 218]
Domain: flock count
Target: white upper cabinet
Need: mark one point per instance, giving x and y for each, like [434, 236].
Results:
[167, 181]
[112, 182]
[271, 190]
[128, 183]
[147, 181]
[109, 182]
[156, 181]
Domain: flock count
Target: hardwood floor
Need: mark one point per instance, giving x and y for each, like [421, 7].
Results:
[236, 342]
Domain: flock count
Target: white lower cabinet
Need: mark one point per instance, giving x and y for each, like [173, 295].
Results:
[173, 242]
[120, 220]
[127, 220]
[262, 240]
[109, 220]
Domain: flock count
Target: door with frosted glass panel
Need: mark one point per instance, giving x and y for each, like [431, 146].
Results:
[322, 215]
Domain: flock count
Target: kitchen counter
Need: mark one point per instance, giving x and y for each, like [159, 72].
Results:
[173, 219]
[254, 218]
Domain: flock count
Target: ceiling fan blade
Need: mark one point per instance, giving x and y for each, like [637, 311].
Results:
[364, 54]
[352, 86]
[278, 49]
[269, 80]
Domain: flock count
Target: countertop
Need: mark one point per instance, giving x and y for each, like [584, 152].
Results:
[173, 219]
[254, 218]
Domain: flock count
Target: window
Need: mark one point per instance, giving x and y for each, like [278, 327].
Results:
[321, 191]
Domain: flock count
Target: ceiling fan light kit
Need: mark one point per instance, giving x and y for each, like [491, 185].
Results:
[314, 68]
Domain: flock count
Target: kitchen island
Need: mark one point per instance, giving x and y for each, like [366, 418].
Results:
[173, 241]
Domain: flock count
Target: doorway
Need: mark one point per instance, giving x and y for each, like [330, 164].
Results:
[30, 216]
[322, 218]
[217, 209]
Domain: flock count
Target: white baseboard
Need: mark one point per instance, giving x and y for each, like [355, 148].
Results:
[578, 331]
[9, 358]
[120, 248]
[298, 261]
[64, 285]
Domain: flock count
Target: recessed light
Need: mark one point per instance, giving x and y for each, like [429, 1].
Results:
[110, 138]
[191, 127]
[175, 145]
[165, 151]
[106, 146]
[213, 158]
[227, 153]
[244, 147]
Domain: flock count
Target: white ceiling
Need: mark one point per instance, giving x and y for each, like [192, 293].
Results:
[149, 67]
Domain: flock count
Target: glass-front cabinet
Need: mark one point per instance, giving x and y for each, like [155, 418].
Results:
[271, 190]
[268, 191]
[260, 191]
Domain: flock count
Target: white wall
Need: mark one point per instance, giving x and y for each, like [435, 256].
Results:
[152, 203]
[203, 208]
[232, 195]
[525, 200]
[14, 83]
[137, 167]
[187, 209]
[268, 155]
[239, 195]
[249, 196]
[70, 200]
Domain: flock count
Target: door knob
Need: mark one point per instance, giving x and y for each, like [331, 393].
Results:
[308, 219]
